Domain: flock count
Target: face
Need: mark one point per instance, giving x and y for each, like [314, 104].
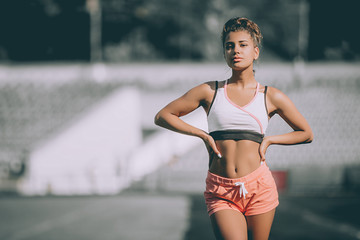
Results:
[239, 50]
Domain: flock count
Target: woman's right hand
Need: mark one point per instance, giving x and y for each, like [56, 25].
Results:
[211, 145]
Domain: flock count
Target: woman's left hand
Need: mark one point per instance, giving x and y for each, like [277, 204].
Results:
[263, 147]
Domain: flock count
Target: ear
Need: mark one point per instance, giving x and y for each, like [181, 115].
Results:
[257, 53]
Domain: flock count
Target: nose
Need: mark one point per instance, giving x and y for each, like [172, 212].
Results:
[237, 48]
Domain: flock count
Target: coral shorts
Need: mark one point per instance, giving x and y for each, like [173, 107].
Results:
[252, 194]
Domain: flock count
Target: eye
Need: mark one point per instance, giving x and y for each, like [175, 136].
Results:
[229, 46]
[243, 45]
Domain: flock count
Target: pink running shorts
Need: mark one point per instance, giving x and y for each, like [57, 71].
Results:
[252, 194]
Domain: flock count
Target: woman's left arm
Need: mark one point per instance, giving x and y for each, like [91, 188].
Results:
[281, 104]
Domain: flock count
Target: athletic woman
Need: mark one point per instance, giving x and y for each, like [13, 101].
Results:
[241, 193]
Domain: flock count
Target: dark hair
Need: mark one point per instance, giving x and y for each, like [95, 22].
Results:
[242, 24]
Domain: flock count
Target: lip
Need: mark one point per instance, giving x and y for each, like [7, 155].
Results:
[237, 59]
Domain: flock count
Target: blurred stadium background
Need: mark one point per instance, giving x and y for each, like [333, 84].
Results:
[81, 80]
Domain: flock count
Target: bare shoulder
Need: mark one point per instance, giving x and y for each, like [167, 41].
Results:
[276, 95]
[204, 90]
[211, 85]
[208, 86]
[200, 95]
[279, 101]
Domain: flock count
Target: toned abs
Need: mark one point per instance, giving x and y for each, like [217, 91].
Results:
[239, 158]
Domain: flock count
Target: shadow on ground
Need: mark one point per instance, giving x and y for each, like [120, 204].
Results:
[199, 222]
[297, 218]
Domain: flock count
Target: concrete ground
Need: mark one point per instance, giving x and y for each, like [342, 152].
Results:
[147, 215]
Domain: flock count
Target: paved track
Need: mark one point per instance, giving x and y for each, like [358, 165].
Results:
[156, 216]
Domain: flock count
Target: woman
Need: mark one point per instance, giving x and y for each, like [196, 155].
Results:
[240, 194]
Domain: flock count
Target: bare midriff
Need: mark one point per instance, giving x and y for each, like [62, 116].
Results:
[239, 158]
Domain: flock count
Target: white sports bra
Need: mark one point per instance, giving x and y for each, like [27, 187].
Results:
[227, 120]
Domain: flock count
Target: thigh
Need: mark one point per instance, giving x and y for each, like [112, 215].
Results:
[229, 225]
[260, 225]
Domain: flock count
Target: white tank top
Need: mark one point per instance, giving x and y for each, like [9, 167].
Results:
[227, 120]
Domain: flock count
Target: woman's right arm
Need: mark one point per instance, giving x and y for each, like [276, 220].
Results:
[169, 116]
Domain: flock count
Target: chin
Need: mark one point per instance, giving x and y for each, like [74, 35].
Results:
[239, 66]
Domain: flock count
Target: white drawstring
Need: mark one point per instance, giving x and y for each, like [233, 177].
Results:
[242, 190]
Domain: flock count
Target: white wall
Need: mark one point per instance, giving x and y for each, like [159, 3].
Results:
[89, 155]
[162, 147]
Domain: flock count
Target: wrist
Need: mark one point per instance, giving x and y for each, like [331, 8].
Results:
[203, 135]
[268, 140]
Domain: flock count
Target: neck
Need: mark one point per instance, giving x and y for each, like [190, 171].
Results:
[243, 78]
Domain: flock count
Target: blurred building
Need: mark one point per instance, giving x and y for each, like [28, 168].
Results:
[139, 30]
[48, 109]
[61, 135]
[87, 155]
